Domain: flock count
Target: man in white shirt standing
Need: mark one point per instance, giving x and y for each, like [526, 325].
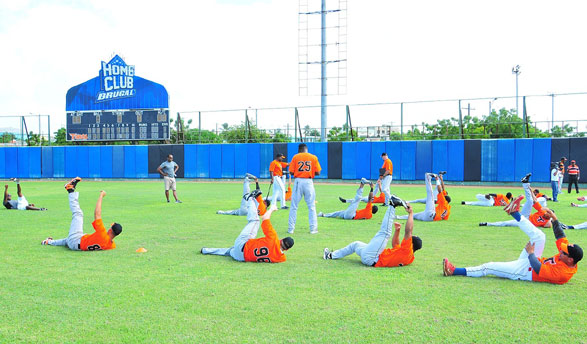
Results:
[554, 176]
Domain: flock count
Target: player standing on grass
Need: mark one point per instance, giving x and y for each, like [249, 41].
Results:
[351, 212]
[385, 176]
[168, 169]
[246, 248]
[530, 266]
[374, 253]
[574, 176]
[554, 173]
[304, 167]
[19, 204]
[76, 240]
[276, 170]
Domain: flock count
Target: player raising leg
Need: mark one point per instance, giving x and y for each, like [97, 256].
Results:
[351, 212]
[19, 204]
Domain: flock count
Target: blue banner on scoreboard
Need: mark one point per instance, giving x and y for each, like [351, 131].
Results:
[117, 105]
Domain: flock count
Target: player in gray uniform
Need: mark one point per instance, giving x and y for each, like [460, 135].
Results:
[435, 191]
[17, 204]
[430, 211]
[168, 169]
[242, 211]
[304, 167]
[350, 212]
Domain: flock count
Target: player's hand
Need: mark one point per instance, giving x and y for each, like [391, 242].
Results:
[409, 209]
[102, 193]
[6, 186]
[273, 207]
[397, 226]
[530, 247]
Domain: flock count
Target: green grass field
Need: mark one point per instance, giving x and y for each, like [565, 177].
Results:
[173, 294]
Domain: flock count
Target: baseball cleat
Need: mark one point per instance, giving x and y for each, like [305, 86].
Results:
[365, 181]
[447, 268]
[396, 202]
[442, 173]
[250, 176]
[574, 205]
[284, 207]
[72, 183]
[313, 231]
[320, 214]
[342, 199]
[290, 231]
[514, 205]
[202, 250]
[526, 178]
[16, 180]
[327, 254]
[481, 224]
[432, 175]
[463, 203]
[47, 241]
[571, 227]
[178, 201]
[42, 209]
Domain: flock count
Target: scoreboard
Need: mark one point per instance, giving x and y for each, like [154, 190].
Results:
[118, 125]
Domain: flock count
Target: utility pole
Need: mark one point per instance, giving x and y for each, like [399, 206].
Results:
[517, 72]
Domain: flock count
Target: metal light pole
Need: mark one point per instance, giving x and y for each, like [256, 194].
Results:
[491, 106]
[323, 74]
[516, 70]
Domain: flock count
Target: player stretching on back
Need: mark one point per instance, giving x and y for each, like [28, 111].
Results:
[76, 240]
[304, 167]
[246, 248]
[242, 211]
[374, 253]
[438, 212]
[351, 212]
[491, 200]
[19, 204]
[530, 266]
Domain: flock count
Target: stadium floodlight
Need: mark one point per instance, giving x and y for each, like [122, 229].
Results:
[516, 71]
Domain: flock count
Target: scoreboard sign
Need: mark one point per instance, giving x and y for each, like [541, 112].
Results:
[117, 105]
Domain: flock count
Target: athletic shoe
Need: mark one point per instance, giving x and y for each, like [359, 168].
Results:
[442, 173]
[365, 181]
[46, 241]
[202, 250]
[315, 231]
[255, 193]
[574, 205]
[167, 201]
[290, 231]
[342, 199]
[250, 176]
[42, 209]
[320, 214]
[571, 227]
[447, 268]
[581, 198]
[514, 205]
[327, 254]
[284, 207]
[481, 224]
[16, 180]
[526, 178]
[432, 175]
[395, 202]
[178, 201]
[463, 203]
[72, 184]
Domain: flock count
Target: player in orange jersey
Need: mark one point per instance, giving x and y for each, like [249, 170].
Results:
[17, 204]
[386, 176]
[374, 253]
[276, 171]
[304, 167]
[351, 212]
[438, 212]
[76, 240]
[242, 211]
[530, 266]
[491, 200]
[268, 249]
[376, 199]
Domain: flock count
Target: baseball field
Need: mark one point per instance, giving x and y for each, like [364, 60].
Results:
[174, 294]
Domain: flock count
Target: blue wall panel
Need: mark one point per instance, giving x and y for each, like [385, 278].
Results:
[227, 169]
[190, 161]
[70, 161]
[142, 162]
[456, 161]
[523, 158]
[376, 149]
[489, 160]
[11, 162]
[22, 162]
[3, 162]
[320, 150]
[363, 160]
[505, 160]
[35, 162]
[439, 155]
[215, 161]
[254, 158]
[46, 162]
[58, 162]
[203, 164]
[423, 159]
[94, 162]
[240, 160]
[349, 169]
[266, 156]
[105, 161]
[129, 162]
[292, 149]
[408, 160]
[394, 152]
[541, 160]
[82, 157]
[118, 162]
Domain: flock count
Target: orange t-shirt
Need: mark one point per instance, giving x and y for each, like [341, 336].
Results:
[442, 207]
[400, 255]
[500, 201]
[283, 165]
[553, 270]
[288, 193]
[276, 168]
[266, 249]
[305, 165]
[379, 199]
[364, 214]
[99, 240]
[388, 165]
[537, 218]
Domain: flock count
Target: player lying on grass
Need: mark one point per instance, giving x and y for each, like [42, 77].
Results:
[76, 240]
[246, 248]
[435, 191]
[351, 212]
[374, 253]
[530, 266]
[491, 200]
[376, 199]
[242, 211]
[579, 205]
[438, 212]
[541, 198]
[17, 204]
[541, 218]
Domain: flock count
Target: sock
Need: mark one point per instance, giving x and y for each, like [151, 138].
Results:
[517, 216]
[460, 271]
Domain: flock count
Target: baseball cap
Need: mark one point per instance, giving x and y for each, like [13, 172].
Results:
[575, 251]
[564, 158]
[416, 243]
[288, 242]
[116, 228]
[572, 161]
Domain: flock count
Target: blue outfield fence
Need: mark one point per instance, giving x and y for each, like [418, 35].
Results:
[506, 160]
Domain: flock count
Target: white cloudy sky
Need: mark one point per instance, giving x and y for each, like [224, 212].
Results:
[229, 54]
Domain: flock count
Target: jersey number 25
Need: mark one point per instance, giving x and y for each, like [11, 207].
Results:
[304, 166]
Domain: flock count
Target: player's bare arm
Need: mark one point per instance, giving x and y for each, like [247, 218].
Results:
[395, 239]
[5, 193]
[267, 214]
[409, 229]
[98, 210]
